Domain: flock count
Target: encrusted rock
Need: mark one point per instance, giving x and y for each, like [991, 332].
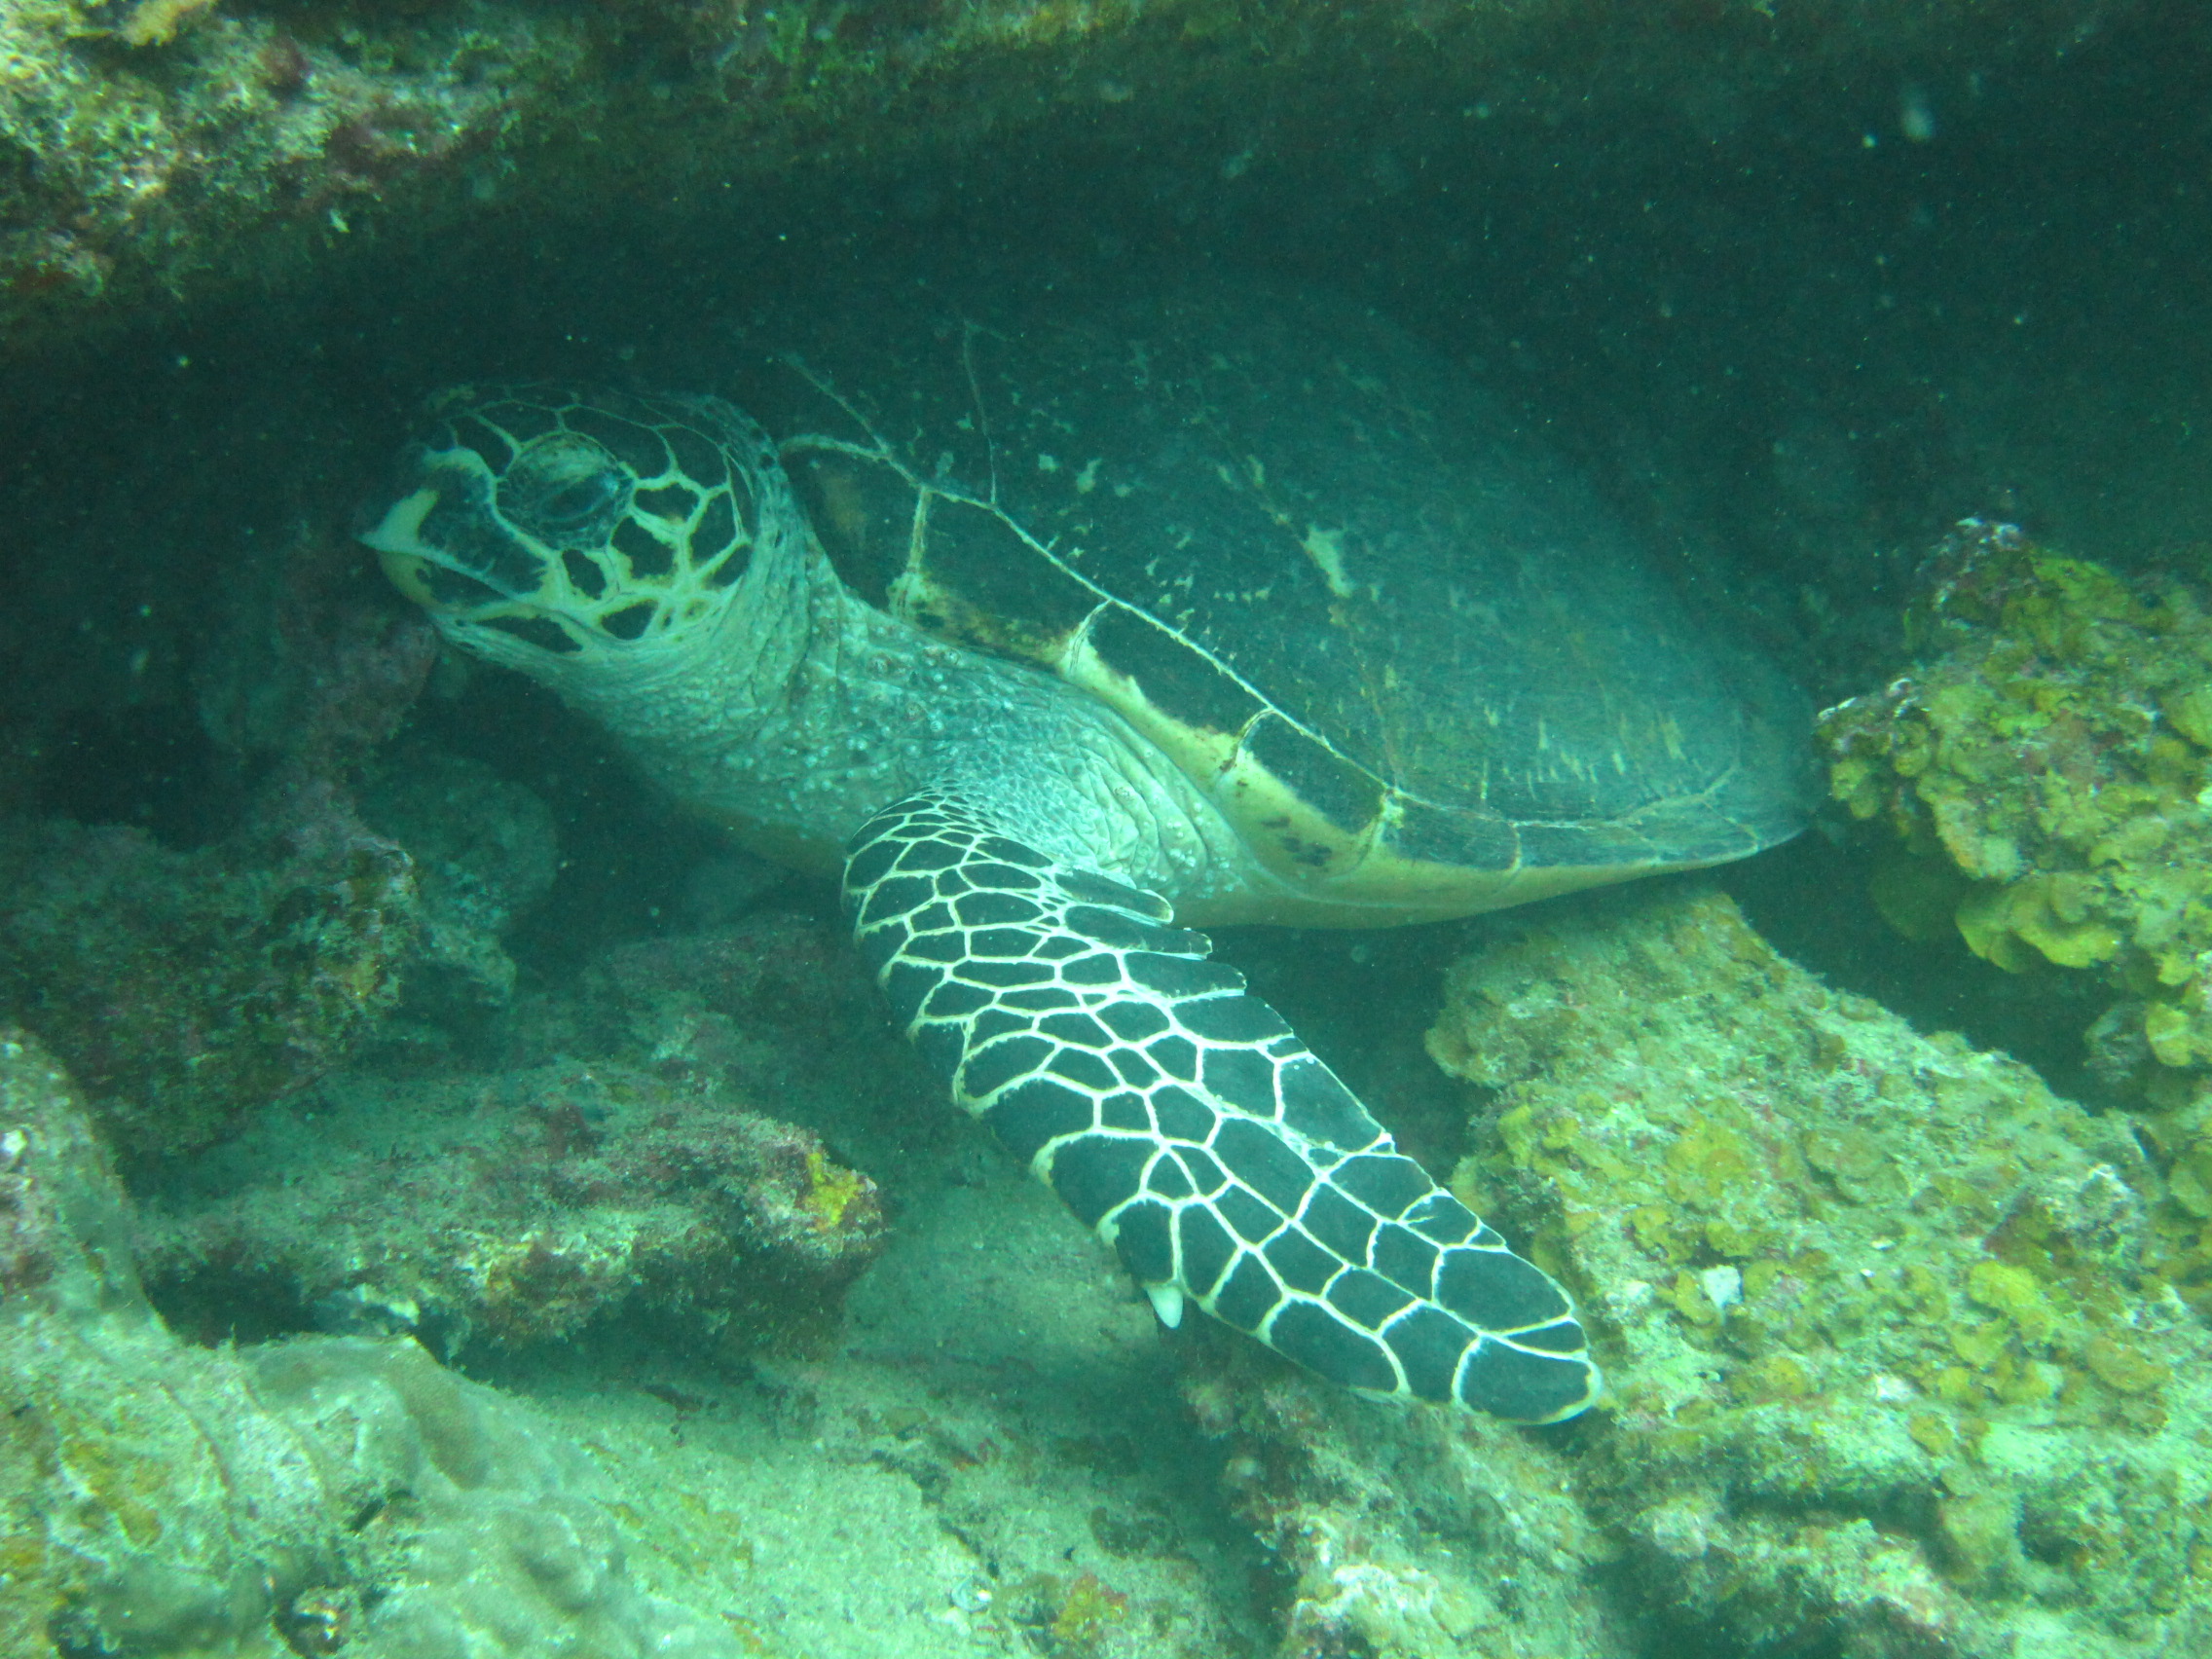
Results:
[484, 853]
[2047, 769]
[1891, 1369]
[316, 1495]
[519, 1209]
[186, 989]
[1889, 1354]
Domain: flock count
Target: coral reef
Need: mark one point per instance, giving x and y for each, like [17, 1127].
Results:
[306, 672]
[515, 1209]
[1889, 1354]
[186, 989]
[976, 1449]
[309, 1496]
[2048, 764]
[2046, 769]
[184, 985]
[186, 130]
[523, 1207]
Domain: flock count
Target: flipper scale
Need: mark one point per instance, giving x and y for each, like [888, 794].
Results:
[1060, 1004]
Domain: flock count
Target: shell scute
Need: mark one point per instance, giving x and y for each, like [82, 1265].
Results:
[863, 514]
[1412, 660]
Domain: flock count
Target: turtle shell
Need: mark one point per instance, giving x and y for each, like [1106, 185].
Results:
[1409, 655]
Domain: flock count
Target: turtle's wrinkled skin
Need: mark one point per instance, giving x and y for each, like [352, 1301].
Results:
[1059, 632]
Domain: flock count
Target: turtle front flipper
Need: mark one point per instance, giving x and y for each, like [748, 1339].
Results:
[1181, 1118]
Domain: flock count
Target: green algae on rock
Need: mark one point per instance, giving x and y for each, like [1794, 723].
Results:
[2048, 768]
[1888, 1357]
[1887, 1365]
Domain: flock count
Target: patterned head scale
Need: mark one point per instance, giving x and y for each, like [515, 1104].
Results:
[553, 528]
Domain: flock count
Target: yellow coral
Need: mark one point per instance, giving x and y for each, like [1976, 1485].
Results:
[1930, 1433]
[2189, 710]
[2125, 1368]
[2013, 1292]
[2175, 1038]
[156, 23]
[831, 1190]
[2052, 751]
[1706, 1163]
[1979, 1345]
[1086, 1613]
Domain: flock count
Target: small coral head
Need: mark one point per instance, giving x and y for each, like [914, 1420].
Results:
[552, 528]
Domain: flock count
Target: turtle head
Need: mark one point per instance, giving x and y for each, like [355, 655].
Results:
[557, 531]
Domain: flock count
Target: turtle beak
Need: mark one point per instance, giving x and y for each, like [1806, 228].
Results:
[420, 570]
[397, 539]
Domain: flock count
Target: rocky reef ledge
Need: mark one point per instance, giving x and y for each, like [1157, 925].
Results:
[151, 149]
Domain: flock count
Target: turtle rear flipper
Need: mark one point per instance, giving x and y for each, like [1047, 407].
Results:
[1181, 1118]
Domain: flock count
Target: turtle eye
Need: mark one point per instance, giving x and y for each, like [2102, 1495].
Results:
[577, 504]
[564, 489]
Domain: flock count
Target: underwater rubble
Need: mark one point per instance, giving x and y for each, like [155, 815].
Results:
[978, 1458]
[188, 968]
[485, 852]
[1407, 1535]
[1889, 1352]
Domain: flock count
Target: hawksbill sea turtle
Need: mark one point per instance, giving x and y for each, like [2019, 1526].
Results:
[1057, 633]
